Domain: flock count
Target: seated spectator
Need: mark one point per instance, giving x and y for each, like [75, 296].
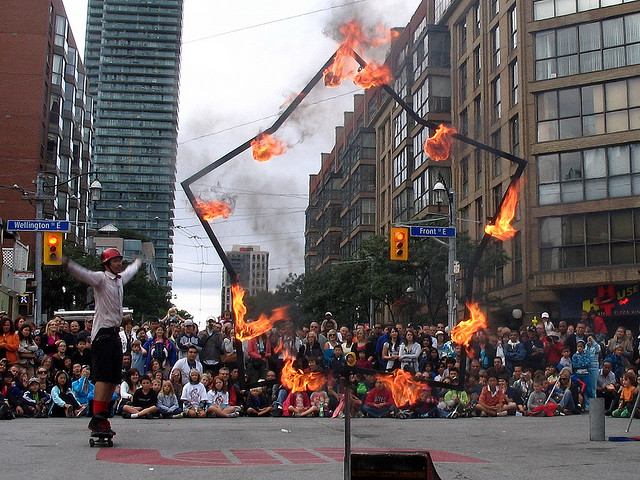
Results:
[168, 406]
[607, 387]
[565, 395]
[194, 397]
[492, 402]
[187, 363]
[36, 401]
[537, 405]
[514, 351]
[498, 370]
[337, 361]
[319, 400]
[363, 361]
[379, 401]
[83, 388]
[82, 354]
[64, 403]
[617, 362]
[514, 402]
[128, 386]
[426, 405]
[144, 403]
[12, 395]
[297, 405]
[218, 400]
[258, 405]
[626, 394]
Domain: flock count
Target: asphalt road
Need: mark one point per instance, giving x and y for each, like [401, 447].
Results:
[287, 448]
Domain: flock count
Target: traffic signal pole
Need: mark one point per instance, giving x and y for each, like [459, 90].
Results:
[39, 200]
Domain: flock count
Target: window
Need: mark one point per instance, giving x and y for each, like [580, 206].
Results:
[479, 168]
[402, 205]
[477, 20]
[513, 28]
[462, 78]
[495, 7]
[603, 238]
[399, 128]
[60, 37]
[495, 46]
[496, 193]
[477, 112]
[464, 169]
[514, 135]
[497, 99]
[464, 122]
[588, 47]
[556, 8]
[591, 174]
[400, 168]
[477, 63]
[497, 161]
[462, 28]
[515, 81]
[589, 110]
[58, 69]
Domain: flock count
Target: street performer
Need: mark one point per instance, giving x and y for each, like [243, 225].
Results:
[105, 341]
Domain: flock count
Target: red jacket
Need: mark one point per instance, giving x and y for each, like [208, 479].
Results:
[379, 396]
[490, 400]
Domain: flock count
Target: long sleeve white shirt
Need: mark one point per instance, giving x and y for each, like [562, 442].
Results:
[107, 293]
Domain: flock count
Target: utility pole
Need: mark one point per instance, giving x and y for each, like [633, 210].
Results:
[39, 200]
[452, 302]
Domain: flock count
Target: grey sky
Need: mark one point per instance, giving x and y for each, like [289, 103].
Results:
[232, 87]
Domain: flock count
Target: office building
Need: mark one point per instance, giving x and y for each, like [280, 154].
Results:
[552, 81]
[46, 123]
[252, 266]
[132, 58]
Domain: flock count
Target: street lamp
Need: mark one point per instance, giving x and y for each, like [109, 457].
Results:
[440, 190]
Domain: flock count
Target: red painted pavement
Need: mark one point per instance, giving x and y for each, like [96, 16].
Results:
[250, 457]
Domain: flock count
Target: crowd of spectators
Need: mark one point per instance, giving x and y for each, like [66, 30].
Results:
[172, 370]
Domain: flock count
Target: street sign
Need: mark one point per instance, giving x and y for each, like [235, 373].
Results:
[433, 232]
[23, 275]
[38, 225]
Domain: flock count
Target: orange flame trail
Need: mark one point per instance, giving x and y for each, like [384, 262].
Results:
[502, 229]
[373, 75]
[210, 210]
[246, 331]
[404, 388]
[464, 331]
[264, 146]
[438, 146]
[344, 65]
[297, 381]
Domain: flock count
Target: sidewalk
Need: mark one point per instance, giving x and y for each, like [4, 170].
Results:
[285, 448]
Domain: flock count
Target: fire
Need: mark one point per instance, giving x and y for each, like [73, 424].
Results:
[438, 146]
[464, 331]
[404, 388]
[344, 65]
[264, 146]
[246, 331]
[210, 210]
[373, 75]
[297, 381]
[502, 228]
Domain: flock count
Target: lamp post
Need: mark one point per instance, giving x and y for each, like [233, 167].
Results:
[440, 190]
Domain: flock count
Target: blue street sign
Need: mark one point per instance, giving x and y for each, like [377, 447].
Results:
[38, 225]
[433, 232]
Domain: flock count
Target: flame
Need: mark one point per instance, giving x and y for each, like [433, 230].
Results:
[464, 331]
[502, 229]
[297, 381]
[246, 331]
[210, 210]
[438, 146]
[373, 75]
[404, 388]
[344, 65]
[264, 146]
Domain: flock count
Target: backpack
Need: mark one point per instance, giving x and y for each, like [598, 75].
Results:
[159, 352]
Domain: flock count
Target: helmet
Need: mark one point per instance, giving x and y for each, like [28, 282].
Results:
[108, 254]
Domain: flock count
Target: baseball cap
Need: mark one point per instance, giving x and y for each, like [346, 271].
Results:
[328, 313]
[545, 315]
[188, 323]
[33, 380]
[439, 332]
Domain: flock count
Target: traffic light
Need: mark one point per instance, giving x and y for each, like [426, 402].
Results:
[25, 304]
[52, 248]
[399, 243]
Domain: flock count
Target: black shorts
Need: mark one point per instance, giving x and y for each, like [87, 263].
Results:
[106, 353]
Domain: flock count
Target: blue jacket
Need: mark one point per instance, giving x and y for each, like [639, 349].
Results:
[513, 355]
[82, 394]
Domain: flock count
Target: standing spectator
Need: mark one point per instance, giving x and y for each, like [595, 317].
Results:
[86, 332]
[26, 348]
[514, 351]
[8, 341]
[599, 326]
[82, 355]
[581, 361]
[553, 349]
[409, 352]
[483, 351]
[534, 348]
[210, 343]
[547, 323]
[259, 350]
[620, 338]
[162, 349]
[49, 338]
[188, 339]
[127, 336]
[391, 350]
[593, 349]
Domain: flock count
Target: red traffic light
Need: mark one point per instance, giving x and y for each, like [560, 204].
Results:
[400, 236]
[53, 241]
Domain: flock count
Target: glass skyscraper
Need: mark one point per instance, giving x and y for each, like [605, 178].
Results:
[132, 59]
